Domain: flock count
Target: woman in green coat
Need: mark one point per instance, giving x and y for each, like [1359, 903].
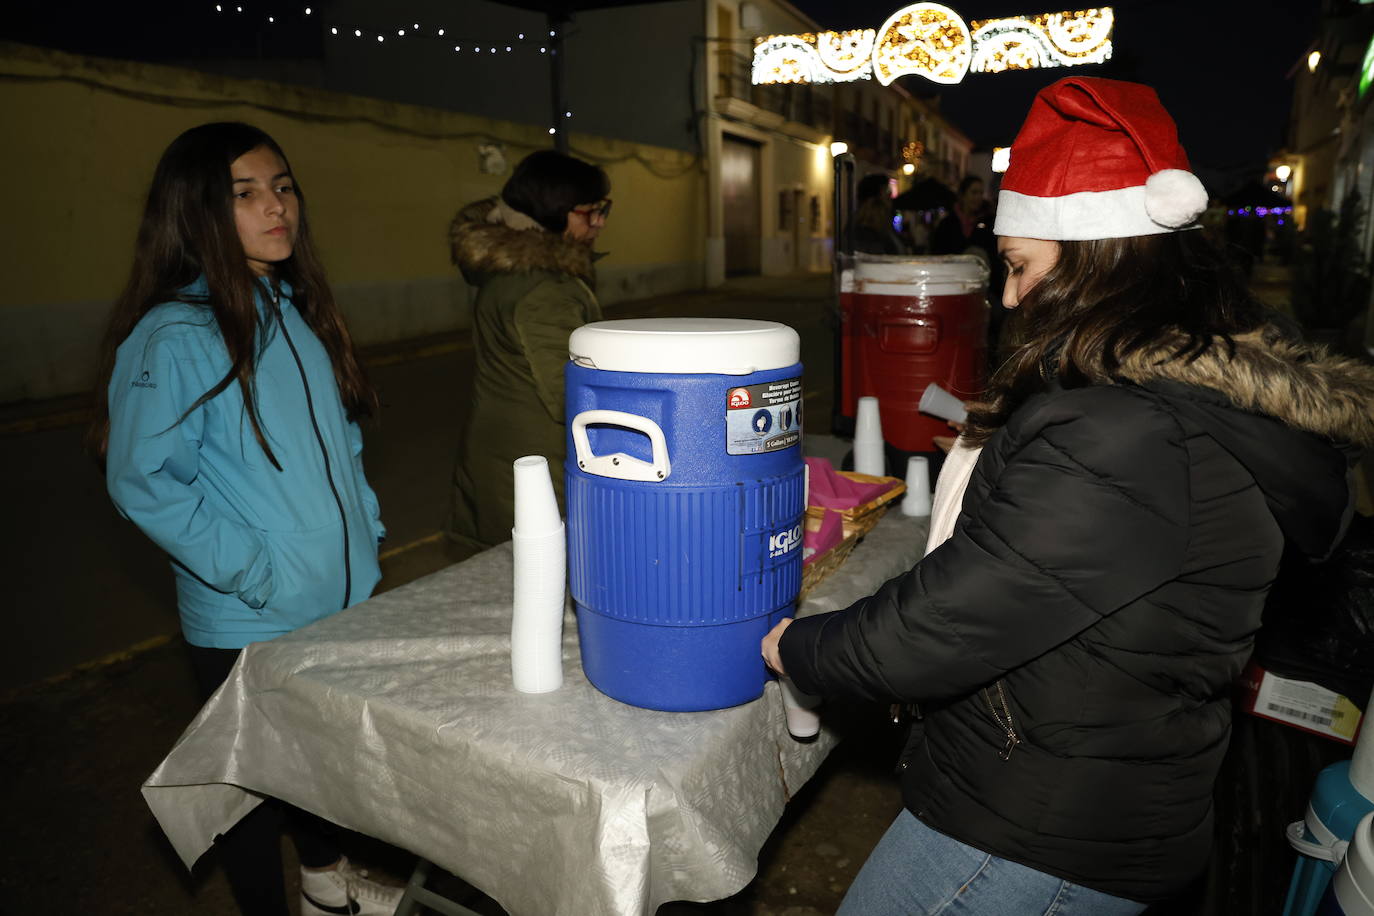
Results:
[528, 252]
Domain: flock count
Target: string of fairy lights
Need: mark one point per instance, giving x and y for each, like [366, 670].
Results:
[402, 32]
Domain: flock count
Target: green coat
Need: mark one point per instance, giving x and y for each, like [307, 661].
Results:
[534, 288]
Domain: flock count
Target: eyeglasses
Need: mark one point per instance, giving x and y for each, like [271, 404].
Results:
[601, 208]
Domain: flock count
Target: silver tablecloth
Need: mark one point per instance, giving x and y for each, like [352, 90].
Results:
[397, 719]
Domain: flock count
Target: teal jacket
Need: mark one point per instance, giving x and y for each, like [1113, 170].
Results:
[257, 552]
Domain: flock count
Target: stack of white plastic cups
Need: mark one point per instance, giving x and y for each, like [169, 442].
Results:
[917, 499]
[869, 456]
[540, 580]
[1353, 883]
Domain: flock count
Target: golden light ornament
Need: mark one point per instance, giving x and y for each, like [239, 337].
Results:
[784, 59]
[847, 55]
[1047, 40]
[926, 39]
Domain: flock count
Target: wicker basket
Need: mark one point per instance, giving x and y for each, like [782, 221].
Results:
[825, 564]
[859, 520]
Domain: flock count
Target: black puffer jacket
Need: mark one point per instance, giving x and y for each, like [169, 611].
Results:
[1100, 592]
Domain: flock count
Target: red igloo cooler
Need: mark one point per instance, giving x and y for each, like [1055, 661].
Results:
[906, 322]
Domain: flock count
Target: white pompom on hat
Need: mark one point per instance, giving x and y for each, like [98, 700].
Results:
[1097, 159]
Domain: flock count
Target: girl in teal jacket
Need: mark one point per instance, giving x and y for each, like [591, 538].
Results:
[228, 428]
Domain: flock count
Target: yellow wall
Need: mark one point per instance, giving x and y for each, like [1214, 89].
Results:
[382, 180]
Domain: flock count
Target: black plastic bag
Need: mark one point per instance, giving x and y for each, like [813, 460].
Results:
[1319, 618]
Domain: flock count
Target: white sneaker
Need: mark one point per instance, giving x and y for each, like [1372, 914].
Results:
[346, 891]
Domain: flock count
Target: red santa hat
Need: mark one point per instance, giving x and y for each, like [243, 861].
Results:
[1097, 159]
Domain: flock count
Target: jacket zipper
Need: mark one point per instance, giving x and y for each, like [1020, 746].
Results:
[328, 466]
[1003, 720]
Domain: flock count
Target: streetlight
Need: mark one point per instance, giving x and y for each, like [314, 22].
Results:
[839, 148]
[1282, 172]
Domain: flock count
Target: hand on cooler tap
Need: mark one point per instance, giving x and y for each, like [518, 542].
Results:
[769, 647]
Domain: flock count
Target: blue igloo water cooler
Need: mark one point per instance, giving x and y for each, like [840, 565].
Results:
[684, 502]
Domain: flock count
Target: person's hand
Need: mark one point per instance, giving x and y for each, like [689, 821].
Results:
[945, 443]
[770, 647]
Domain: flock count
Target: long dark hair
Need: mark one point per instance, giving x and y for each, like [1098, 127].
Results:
[188, 230]
[547, 184]
[1108, 298]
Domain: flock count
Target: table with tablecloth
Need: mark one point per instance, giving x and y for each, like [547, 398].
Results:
[396, 718]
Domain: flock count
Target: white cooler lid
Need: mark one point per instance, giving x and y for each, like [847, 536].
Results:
[930, 275]
[685, 346]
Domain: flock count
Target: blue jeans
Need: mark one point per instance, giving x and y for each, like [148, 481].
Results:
[917, 871]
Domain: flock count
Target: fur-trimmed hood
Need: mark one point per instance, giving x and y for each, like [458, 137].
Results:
[1260, 404]
[1302, 385]
[488, 237]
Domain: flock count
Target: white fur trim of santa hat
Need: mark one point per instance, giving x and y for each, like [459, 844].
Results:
[1166, 206]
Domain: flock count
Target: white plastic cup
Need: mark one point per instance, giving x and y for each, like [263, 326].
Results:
[538, 597]
[1362, 763]
[1353, 882]
[938, 402]
[917, 499]
[869, 455]
[536, 508]
[802, 719]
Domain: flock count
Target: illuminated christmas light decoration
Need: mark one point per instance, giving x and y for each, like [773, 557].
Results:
[786, 59]
[926, 39]
[848, 55]
[931, 40]
[1366, 71]
[1047, 40]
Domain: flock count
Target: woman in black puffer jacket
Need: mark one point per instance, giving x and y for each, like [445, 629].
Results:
[1147, 454]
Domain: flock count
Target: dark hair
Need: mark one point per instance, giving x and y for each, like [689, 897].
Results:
[968, 182]
[1105, 299]
[875, 185]
[547, 184]
[188, 230]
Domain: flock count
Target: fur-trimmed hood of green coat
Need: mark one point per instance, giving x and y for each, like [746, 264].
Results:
[489, 237]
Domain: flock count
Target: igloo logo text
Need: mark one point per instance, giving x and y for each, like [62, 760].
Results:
[784, 541]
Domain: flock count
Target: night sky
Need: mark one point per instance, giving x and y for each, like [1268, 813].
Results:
[1221, 69]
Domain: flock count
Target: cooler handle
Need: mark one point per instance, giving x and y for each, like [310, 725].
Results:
[620, 465]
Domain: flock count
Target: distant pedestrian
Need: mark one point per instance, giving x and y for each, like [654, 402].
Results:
[967, 229]
[874, 213]
[528, 251]
[1147, 455]
[227, 423]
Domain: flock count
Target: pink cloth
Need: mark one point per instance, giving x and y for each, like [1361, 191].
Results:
[815, 543]
[831, 490]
